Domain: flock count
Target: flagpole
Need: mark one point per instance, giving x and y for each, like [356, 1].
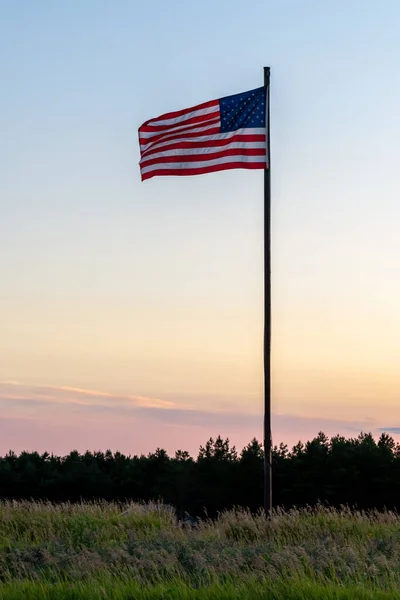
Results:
[267, 312]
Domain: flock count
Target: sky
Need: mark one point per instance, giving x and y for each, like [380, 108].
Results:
[131, 313]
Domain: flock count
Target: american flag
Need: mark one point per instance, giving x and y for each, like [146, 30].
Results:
[229, 133]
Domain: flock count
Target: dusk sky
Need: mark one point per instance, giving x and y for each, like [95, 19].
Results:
[131, 313]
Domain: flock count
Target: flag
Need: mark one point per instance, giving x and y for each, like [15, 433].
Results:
[229, 133]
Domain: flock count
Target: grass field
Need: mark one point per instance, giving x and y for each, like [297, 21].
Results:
[90, 551]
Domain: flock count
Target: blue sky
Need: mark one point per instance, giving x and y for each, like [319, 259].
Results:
[154, 289]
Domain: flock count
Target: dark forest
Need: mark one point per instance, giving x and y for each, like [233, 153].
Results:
[359, 472]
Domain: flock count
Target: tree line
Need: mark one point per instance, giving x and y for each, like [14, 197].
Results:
[359, 472]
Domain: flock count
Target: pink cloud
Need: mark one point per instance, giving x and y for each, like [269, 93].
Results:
[59, 419]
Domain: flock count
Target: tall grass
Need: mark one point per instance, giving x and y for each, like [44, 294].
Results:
[138, 551]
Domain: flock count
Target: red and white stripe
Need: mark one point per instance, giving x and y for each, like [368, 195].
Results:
[190, 142]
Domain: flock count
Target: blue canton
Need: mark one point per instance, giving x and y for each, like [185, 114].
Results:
[243, 110]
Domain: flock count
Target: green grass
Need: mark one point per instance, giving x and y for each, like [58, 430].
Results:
[93, 551]
[302, 590]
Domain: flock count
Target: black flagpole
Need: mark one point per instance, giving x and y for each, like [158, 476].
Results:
[267, 313]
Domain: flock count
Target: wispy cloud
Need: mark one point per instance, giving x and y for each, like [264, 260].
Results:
[59, 418]
[14, 395]
[390, 430]
[17, 396]
[21, 392]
